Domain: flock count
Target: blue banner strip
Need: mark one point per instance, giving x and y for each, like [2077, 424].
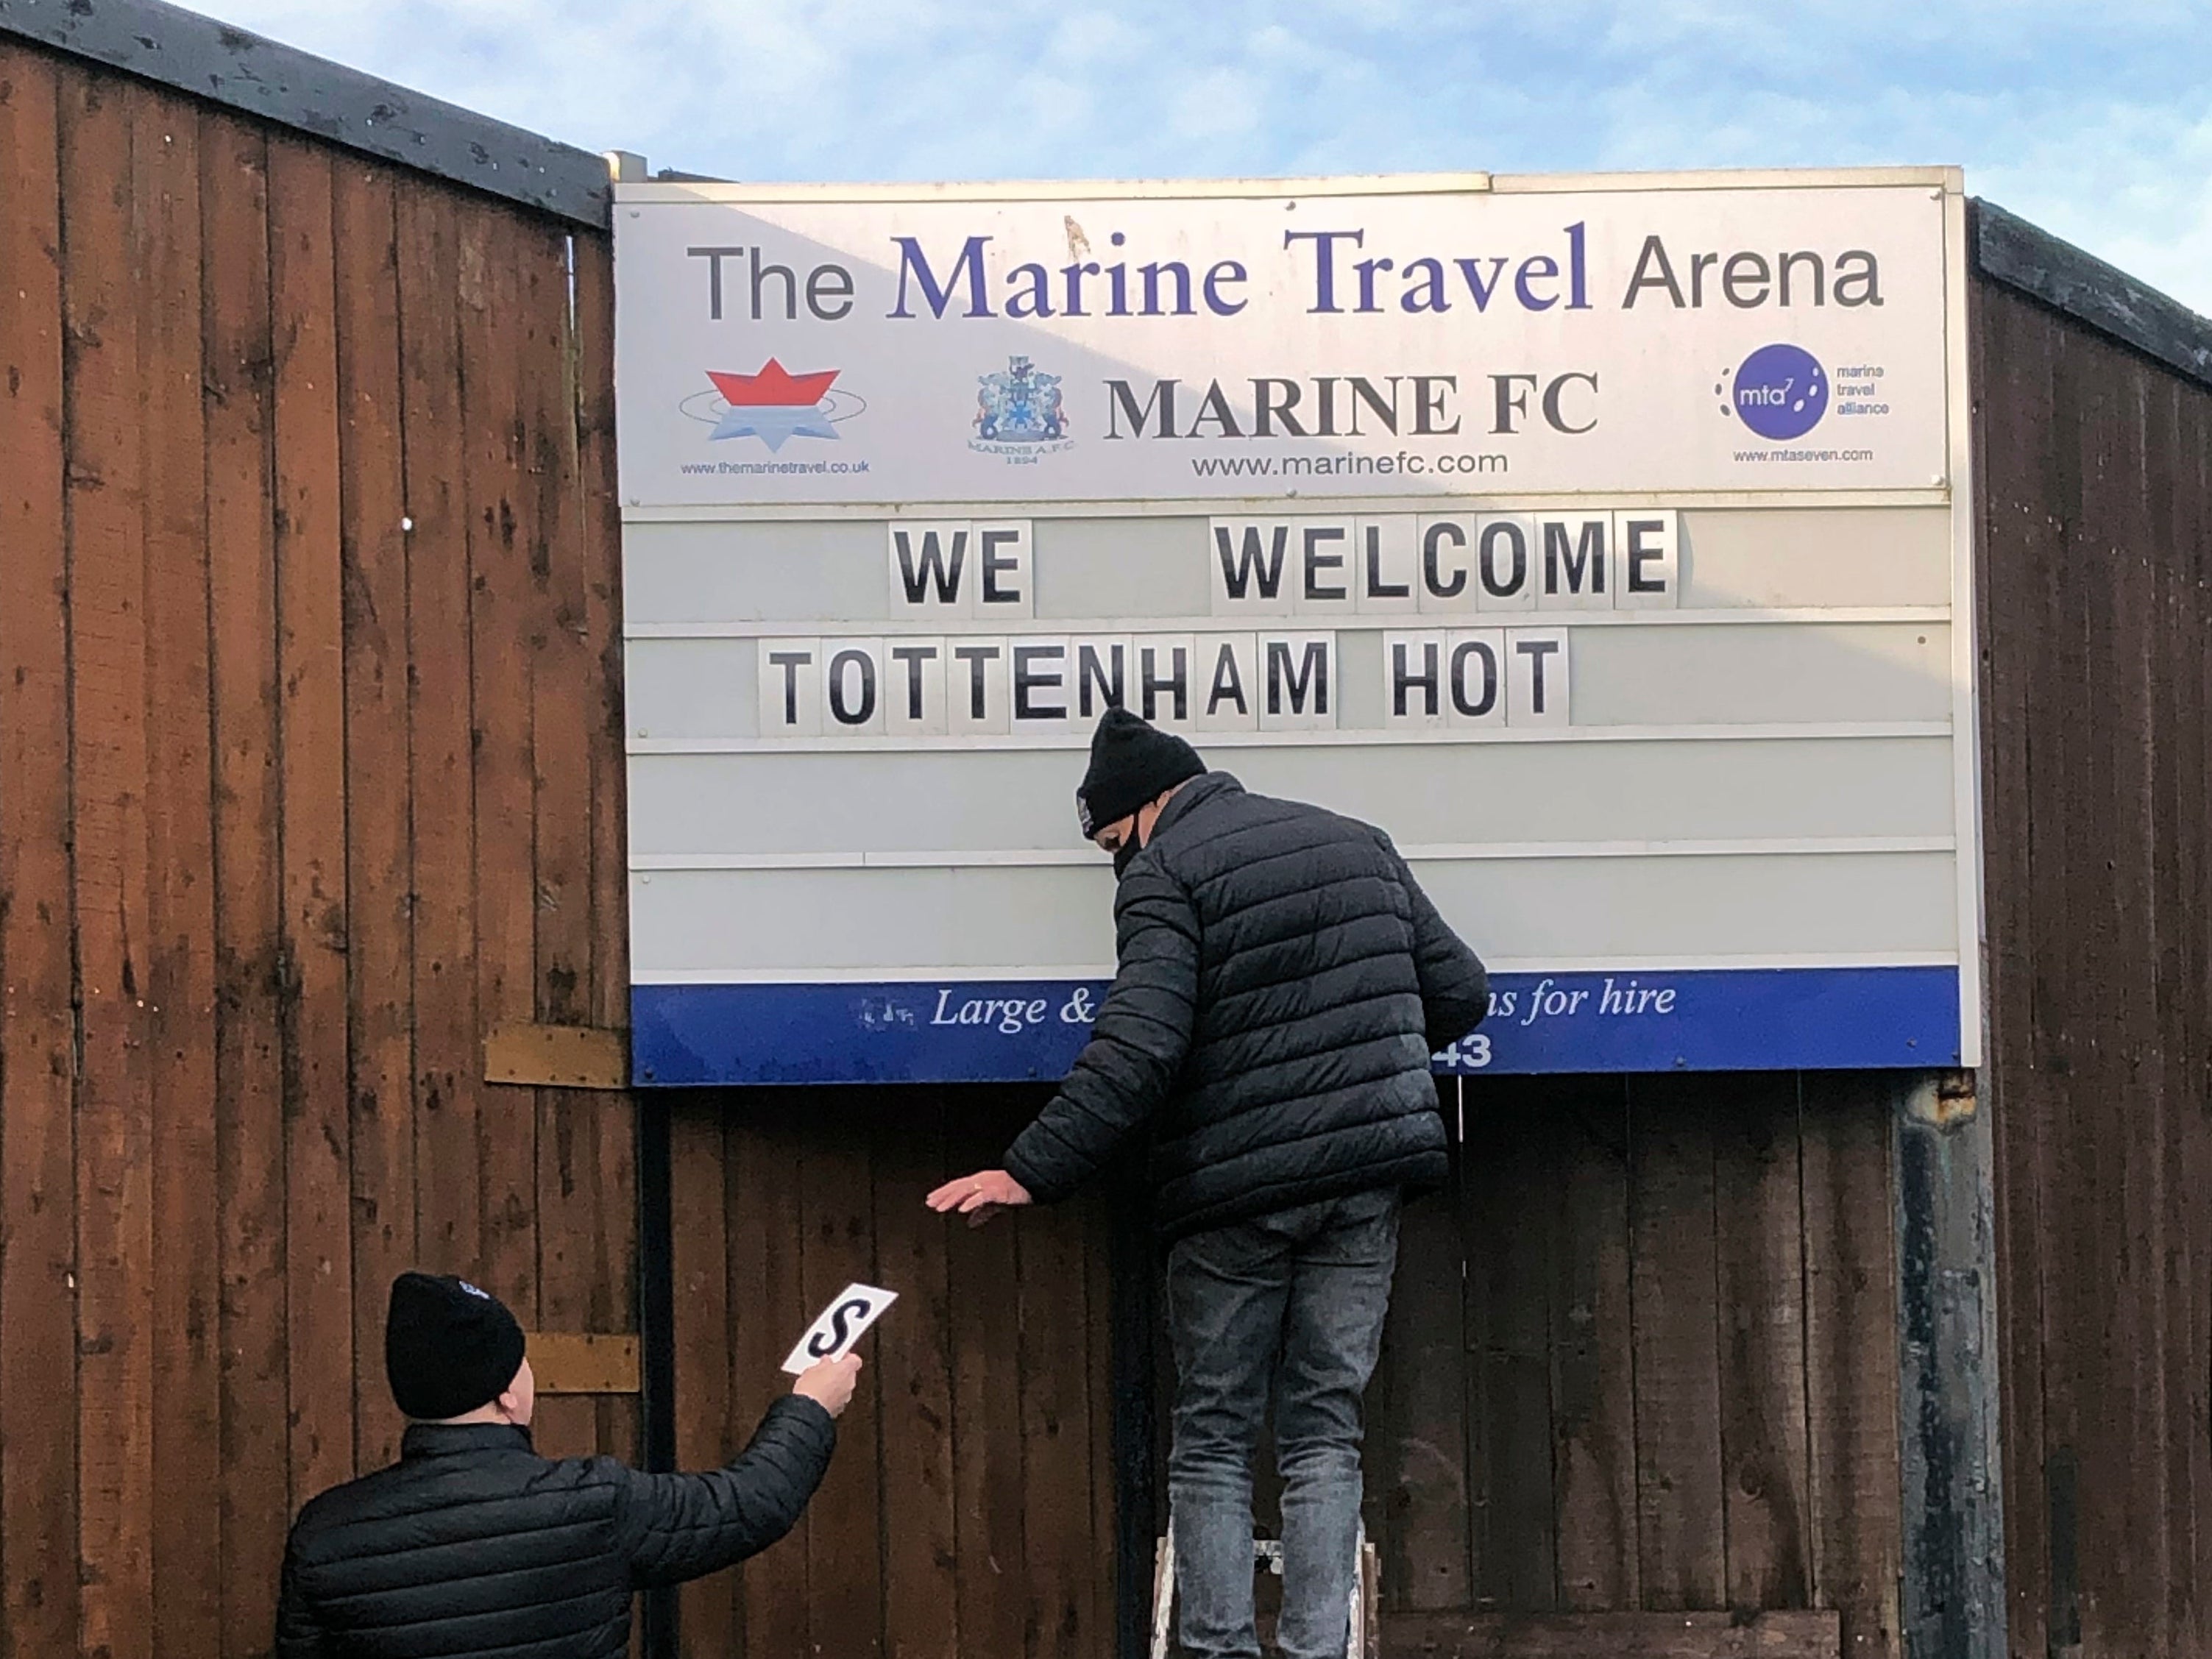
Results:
[993, 1031]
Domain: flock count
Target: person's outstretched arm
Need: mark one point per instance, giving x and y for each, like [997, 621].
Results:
[679, 1527]
[1137, 1043]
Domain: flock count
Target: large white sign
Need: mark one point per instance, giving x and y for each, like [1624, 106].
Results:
[1603, 542]
[819, 346]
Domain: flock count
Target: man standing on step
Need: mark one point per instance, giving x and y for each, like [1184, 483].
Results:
[1281, 984]
[472, 1544]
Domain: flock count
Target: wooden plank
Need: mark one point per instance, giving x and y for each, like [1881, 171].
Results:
[104, 124]
[2014, 420]
[2192, 870]
[448, 1066]
[2087, 1395]
[1592, 1349]
[561, 700]
[38, 1590]
[1759, 1220]
[911, 1358]
[768, 1142]
[1680, 1530]
[602, 570]
[1850, 1357]
[615, 1286]
[844, 1571]
[1099, 1261]
[311, 665]
[990, 1523]
[248, 1114]
[2176, 943]
[180, 978]
[1509, 1220]
[568, 1201]
[556, 1056]
[568, 1241]
[584, 1362]
[600, 555]
[380, 805]
[501, 526]
[1417, 1421]
[1612, 1636]
[1061, 1550]
[700, 1215]
[2127, 1449]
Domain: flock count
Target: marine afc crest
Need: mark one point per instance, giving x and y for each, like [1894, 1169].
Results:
[1019, 414]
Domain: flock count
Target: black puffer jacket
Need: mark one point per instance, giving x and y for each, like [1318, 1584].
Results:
[1282, 984]
[472, 1544]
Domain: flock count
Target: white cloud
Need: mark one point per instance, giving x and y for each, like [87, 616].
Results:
[2095, 122]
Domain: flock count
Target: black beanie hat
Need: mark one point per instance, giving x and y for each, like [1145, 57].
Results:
[448, 1346]
[1131, 763]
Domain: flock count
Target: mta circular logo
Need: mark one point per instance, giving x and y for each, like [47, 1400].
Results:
[1779, 391]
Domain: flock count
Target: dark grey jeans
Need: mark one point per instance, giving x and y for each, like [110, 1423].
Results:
[1293, 1303]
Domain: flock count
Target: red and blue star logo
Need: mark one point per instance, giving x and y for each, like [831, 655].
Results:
[774, 405]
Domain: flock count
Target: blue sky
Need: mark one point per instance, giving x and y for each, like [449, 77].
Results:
[2095, 122]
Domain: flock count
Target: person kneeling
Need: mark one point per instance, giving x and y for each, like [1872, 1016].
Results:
[472, 1543]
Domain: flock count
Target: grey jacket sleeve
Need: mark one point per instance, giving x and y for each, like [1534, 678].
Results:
[1137, 1046]
[679, 1527]
[1454, 985]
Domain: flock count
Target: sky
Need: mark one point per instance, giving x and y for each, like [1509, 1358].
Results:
[2094, 122]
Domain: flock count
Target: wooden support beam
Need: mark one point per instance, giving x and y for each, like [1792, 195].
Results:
[575, 1362]
[1612, 1636]
[557, 1056]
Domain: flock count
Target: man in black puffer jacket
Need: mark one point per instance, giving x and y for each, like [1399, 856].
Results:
[472, 1544]
[1282, 983]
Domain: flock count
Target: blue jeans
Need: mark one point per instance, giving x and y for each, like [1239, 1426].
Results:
[1291, 1301]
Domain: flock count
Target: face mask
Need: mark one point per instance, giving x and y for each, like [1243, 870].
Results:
[1124, 856]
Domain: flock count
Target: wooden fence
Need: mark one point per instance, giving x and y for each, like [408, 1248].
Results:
[310, 774]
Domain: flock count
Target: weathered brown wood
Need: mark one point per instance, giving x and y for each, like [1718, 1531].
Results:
[1593, 1346]
[248, 952]
[556, 1056]
[1850, 1357]
[501, 527]
[448, 1065]
[1509, 1334]
[561, 698]
[180, 976]
[699, 1217]
[38, 1057]
[1672, 1267]
[1416, 1455]
[380, 816]
[2013, 422]
[311, 662]
[1612, 1635]
[1759, 1234]
[1099, 1261]
[600, 533]
[103, 126]
[613, 1146]
[229, 681]
[912, 1361]
[2094, 565]
[991, 1523]
[766, 1235]
[568, 1243]
[843, 1548]
[1056, 1410]
[584, 1362]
